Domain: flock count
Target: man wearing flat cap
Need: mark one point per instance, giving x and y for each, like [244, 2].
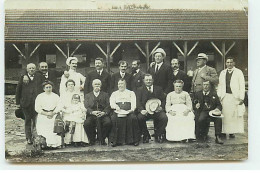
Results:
[77, 77]
[203, 73]
[160, 70]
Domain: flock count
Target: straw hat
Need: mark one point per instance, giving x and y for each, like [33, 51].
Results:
[69, 59]
[159, 50]
[202, 56]
[216, 113]
[152, 104]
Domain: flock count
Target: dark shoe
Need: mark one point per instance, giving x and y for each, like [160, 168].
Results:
[218, 140]
[136, 143]
[145, 139]
[91, 143]
[103, 142]
[231, 136]
[113, 145]
[29, 141]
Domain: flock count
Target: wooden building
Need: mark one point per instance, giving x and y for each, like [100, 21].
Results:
[54, 35]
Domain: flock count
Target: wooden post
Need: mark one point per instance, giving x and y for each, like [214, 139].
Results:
[26, 47]
[224, 54]
[108, 57]
[68, 49]
[147, 55]
[185, 52]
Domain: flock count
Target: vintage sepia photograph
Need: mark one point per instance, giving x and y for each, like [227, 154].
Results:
[137, 81]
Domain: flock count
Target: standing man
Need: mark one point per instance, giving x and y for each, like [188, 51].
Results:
[79, 79]
[204, 102]
[137, 75]
[160, 70]
[98, 73]
[231, 91]
[203, 73]
[98, 109]
[177, 74]
[122, 74]
[146, 92]
[25, 98]
[45, 74]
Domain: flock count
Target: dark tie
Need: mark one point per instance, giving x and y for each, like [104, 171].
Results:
[157, 68]
[150, 89]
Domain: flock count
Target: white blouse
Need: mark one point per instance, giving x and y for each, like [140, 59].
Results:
[47, 102]
[125, 96]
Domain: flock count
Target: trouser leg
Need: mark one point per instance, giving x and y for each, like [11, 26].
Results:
[106, 126]
[203, 123]
[160, 123]
[217, 125]
[90, 127]
[142, 125]
[29, 121]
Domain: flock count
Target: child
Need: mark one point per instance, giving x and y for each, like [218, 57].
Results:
[74, 117]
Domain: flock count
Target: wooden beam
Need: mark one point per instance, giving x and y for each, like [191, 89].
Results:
[34, 50]
[68, 49]
[119, 44]
[147, 55]
[185, 48]
[194, 46]
[158, 44]
[224, 53]
[216, 48]
[232, 45]
[108, 57]
[75, 50]
[178, 48]
[26, 46]
[101, 49]
[60, 50]
[19, 51]
[140, 49]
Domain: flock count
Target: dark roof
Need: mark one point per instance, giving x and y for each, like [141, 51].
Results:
[83, 25]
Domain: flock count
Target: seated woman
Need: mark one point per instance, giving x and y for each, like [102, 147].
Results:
[47, 105]
[181, 123]
[74, 117]
[125, 129]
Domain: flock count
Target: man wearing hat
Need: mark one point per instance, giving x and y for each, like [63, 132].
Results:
[160, 70]
[77, 77]
[150, 105]
[99, 73]
[25, 98]
[203, 103]
[203, 73]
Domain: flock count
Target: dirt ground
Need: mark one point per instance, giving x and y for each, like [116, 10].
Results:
[17, 151]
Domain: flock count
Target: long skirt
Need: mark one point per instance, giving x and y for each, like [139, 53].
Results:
[180, 127]
[231, 122]
[125, 130]
[78, 136]
[44, 127]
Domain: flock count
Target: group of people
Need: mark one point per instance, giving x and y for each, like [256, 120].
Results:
[99, 105]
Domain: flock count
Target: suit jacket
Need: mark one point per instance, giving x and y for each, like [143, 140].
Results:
[92, 102]
[162, 76]
[181, 75]
[26, 93]
[197, 80]
[53, 76]
[137, 80]
[237, 84]
[213, 101]
[115, 78]
[104, 77]
[143, 95]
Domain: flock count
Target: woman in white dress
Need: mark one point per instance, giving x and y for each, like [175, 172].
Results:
[47, 105]
[181, 123]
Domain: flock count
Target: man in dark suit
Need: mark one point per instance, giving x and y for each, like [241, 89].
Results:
[25, 98]
[144, 93]
[44, 74]
[177, 74]
[160, 70]
[98, 73]
[137, 76]
[122, 74]
[98, 109]
[203, 102]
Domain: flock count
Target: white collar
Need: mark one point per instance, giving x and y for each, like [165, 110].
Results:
[70, 70]
[231, 69]
[96, 93]
[148, 88]
[205, 93]
[160, 64]
[137, 70]
[121, 73]
[100, 71]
